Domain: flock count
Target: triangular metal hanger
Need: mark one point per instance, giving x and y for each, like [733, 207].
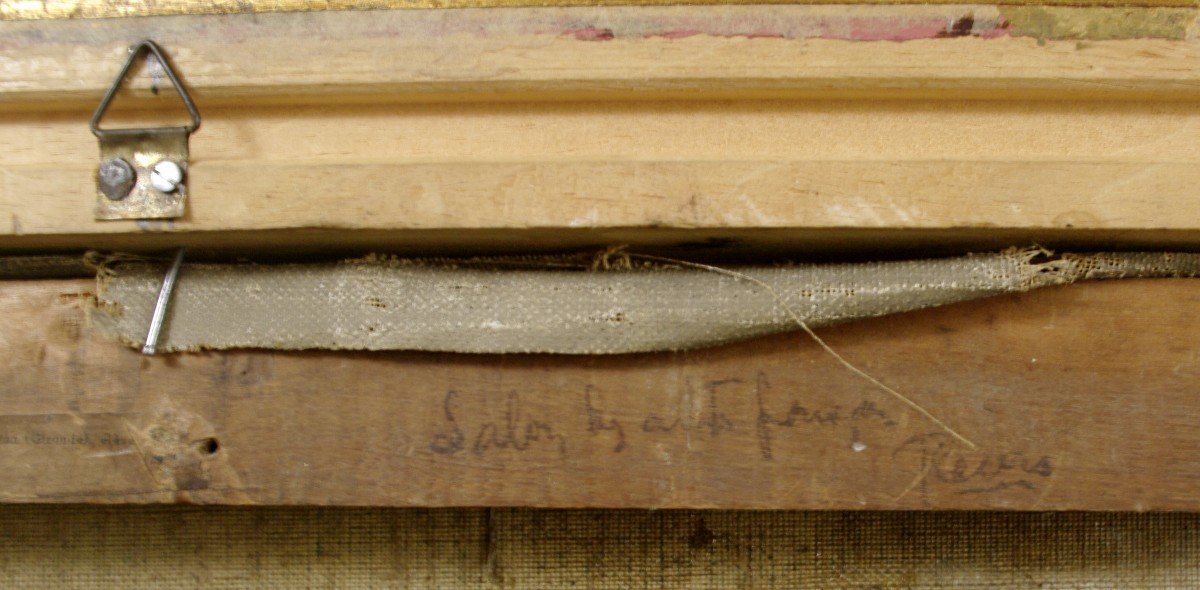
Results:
[145, 46]
[143, 171]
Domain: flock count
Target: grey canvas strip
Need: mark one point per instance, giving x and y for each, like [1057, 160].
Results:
[498, 306]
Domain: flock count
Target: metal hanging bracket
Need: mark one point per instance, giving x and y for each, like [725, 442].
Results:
[143, 172]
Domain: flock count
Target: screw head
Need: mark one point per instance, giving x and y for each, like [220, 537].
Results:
[116, 178]
[166, 176]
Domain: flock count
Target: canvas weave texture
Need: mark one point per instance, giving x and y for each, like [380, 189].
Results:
[546, 306]
[216, 548]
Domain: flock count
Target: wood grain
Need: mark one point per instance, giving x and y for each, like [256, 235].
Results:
[591, 172]
[1082, 397]
[75, 9]
[552, 128]
[687, 52]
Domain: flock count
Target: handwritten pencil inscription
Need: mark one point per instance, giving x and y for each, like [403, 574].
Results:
[764, 420]
[942, 459]
[797, 414]
[515, 430]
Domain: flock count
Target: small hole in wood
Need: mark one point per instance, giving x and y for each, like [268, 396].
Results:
[209, 446]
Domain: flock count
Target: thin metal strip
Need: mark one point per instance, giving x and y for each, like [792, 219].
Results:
[160, 305]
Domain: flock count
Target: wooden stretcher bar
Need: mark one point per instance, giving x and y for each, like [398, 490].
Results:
[75, 9]
[956, 126]
[1076, 398]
